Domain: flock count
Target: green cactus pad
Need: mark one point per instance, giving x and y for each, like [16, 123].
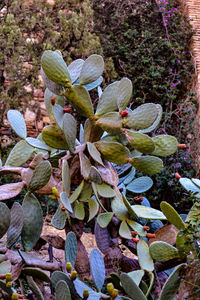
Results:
[59, 218]
[75, 69]
[190, 186]
[58, 114]
[66, 180]
[128, 206]
[16, 224]
[92, 69]
[93, 208]
[136, 276]
[192, 215]
[125, 88]
[136, 227]
[41, 176]
[94, 153]
[140, 185]
[65, 201]
[142, 117]
[71, 248]
[54, 138]
[70, 131]
[119, 209]
[171, 286]
[79, 97]
[131, 287]
[86, 192]
[124, 230]
[147, 164]
[172, 215]
[48, 95]
[182, 244]
[33, 221]
[165, 145]
[113, 152]
[162, 251]
[36, 273]
[92, 132]
[156, 122]
[130, 176]
[108, 99]
[34, 288]
[105, 191]
[38, 143]
[10, 190]
[58, 276]
[53, 87]
[97, 268]
[196, 181]
[5, 267]
[62, 291]
[147, 212]
[4, 219]
[144, 257]
[85, 165]
[139, 141]
[74, 196]
[104, 219]
[92, 85]
[81, 286]
[95, 175]
[79, 211]
[19, 154]
[17, 123]
[110, 122]
[55, 68]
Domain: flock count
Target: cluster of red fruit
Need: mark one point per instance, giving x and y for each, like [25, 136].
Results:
[148, 235]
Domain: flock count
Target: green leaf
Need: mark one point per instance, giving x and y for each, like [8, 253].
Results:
[71, 248]
[131, 287]
[110, 122]
[70, 131]
[4, 219]
[156, 122]
[85, 165]
[19, 154]
[79, 211]
[147, 164]
[92, 69]
[65, 201]
[147, 212]
[124, 230]
[171, 286]
[136, 276]
[113, 152]
[59, 218]
[142, 117]
[55, 68]
[54, 138]
[104, 219]
[193, 215]
[125, 89]
[144, 258]
[136, 227]
[33, 221]
[94, 153]
[93, 208]
[66, 177]
[79, 97]
[108, 99]
[165, 145]
[139, 141]
[162, 251]
[97, 268]
[105, 191]
[74, 196]
[171, 215]
[140, 185]
[75, 68]
[40, 177]
[36, 143]
[62, 291]
[17, 123]
[16, 224]
[5, 267]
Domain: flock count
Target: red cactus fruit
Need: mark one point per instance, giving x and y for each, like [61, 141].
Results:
[63, 208]
[182, 146]
[67, 110]
[121, 189]
[124, 113]
[53, 100]
[135, 240]
[150, 235]
[177, 175]
[146, 228]
[134, 233]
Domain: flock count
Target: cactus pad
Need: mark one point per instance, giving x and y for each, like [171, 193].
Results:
[171, 215]
[70, 130]
[131, 287]
[165, 145]
[93, 208]
[92, 69]
[62, 291]
[104, 219]
[113, 152]
[19, 154]
[40, 177]
[17, 123]
[71, 248]
[144, 257]
[140, 185]
[139, 141]
[162, 251]
[4, 219]
[54, 138]
[97, 268]
[147, 164]
[16, 224]
[59, 218]
[75, 68]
